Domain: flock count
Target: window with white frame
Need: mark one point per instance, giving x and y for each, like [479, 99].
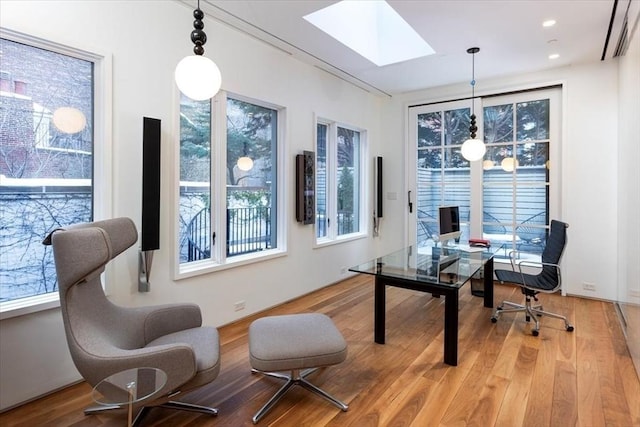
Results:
[339, 181]
[229, 185]
[47, 157]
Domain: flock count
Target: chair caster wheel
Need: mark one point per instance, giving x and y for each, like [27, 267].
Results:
[569, 328]
[535, 332]
[494, 320]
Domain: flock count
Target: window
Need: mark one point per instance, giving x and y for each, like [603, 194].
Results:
[339, 181]
[47, 153]
[510, 196]
[229, 186]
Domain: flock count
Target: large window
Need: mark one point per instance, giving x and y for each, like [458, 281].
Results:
[46, 159]
[229, 200]
[509, 197]
[339, 179]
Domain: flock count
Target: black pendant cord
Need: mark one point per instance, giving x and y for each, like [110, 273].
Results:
[198, 36]
[473, 128]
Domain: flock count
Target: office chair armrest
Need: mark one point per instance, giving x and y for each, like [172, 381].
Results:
[528, 263]
[166, 319]
[513, 259]
[536, 264]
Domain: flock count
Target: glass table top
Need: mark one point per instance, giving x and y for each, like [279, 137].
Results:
[450, 266]
[130, 386]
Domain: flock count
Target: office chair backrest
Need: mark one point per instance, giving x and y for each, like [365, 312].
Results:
[553, 252]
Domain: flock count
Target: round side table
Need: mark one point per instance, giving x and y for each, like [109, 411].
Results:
[128, 387]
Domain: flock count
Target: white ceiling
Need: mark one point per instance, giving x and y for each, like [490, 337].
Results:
[509, 33]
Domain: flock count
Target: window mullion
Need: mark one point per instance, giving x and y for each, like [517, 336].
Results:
[218, 177]
[332, 188]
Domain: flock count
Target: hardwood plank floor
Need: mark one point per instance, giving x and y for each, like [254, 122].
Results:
[505, 376]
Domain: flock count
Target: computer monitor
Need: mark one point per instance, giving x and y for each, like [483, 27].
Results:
[449, 219]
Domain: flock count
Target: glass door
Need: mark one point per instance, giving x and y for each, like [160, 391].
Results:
[510, 196]
[441, 177]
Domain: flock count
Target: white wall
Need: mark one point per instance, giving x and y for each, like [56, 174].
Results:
[629, 172]
[629, 194]
[146, 41]
[589, 161]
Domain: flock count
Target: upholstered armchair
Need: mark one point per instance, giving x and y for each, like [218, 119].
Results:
[105, 338]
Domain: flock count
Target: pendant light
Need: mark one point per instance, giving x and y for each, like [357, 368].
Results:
[508, 164]
[69, 120]
[198, 77]
[473, 149]
[245, 163]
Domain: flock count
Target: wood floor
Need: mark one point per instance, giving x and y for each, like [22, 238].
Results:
[505, 376]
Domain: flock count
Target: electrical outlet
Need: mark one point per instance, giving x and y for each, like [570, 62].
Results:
[589, 286]
[239, 305]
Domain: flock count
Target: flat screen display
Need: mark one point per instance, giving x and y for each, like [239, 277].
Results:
[449, 218]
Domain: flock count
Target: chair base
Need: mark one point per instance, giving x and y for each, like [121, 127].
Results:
[142, 413]
[296, 378]
[531, 312]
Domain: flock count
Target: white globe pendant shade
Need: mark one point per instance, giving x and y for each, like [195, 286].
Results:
[473, 149]
[488, 165]
[69, 120]
[245, 163]
[198, 77]
[508, 164]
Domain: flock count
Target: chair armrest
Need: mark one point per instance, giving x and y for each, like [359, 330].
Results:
[529, 263]
[167, 319]
[513, 259]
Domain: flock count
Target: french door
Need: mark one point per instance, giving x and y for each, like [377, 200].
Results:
[509, 196]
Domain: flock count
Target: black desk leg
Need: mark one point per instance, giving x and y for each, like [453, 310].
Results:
[488, 283]
[379, 311]
[451, 328]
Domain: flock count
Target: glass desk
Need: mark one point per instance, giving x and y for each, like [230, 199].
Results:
[129, 387]
[435, 270]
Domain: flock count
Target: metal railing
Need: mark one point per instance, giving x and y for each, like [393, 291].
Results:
[344, 222]
[248, 230]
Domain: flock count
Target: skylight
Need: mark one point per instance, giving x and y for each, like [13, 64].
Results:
[373, 29]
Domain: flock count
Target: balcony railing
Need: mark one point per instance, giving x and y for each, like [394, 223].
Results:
[344, 222]
[248, 230]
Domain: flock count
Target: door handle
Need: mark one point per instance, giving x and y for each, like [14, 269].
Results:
[410, 202]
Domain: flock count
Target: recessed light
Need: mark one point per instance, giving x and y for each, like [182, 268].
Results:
[549, 23]
[554, 56]
[373, 29]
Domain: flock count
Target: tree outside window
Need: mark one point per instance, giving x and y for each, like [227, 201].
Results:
[248, 215]
[46, 160]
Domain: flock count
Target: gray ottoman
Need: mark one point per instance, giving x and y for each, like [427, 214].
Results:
[292, 343]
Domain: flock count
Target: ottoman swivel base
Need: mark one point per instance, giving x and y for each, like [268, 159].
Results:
[298, 344]
[295, 378]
